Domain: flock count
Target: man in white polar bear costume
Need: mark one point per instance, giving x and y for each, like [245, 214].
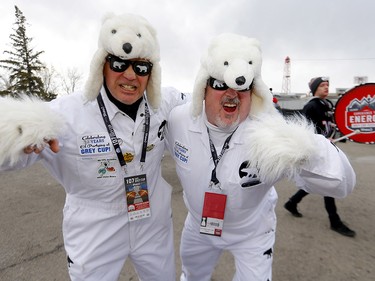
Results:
[109, 154]
[230, 146]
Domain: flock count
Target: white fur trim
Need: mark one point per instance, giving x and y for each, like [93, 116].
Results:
[117, 30]
[228, 57]
[95, 79]
[199, 92]
[278, 147]
[26, 121]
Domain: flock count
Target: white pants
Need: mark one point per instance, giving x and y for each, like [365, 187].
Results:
[98, 239]
[200, 253]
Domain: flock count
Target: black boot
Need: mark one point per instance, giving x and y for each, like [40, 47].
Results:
[292, 208]
[335, 220]
[342, 229]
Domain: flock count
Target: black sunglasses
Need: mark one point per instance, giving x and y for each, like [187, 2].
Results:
[141, 68]
[221, 86]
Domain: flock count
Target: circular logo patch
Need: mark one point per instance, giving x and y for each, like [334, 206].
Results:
[355, 112]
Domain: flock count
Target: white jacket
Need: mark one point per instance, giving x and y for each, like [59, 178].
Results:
[87, 166]
[250, 204]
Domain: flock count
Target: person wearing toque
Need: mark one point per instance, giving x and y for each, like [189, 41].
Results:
[319, 110]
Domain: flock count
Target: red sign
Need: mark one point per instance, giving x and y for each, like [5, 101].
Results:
[355, 111]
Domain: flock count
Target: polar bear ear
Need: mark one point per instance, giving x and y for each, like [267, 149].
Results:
[153, 44]
[150, 29]
[107, 16]
[255, 43]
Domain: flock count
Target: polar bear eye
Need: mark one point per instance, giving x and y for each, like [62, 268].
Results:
[113, 31]
[225, 63]
[139, 35]
[250, 62]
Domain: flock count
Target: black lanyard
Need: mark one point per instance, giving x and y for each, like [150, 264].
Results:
[112, 134]
[215, 158]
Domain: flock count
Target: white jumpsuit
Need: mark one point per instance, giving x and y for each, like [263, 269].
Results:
[98, 236]
[249, 221]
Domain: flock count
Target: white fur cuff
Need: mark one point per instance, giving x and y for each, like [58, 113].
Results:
[278, 147]
[24, 122]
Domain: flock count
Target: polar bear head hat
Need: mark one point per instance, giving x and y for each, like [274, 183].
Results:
[126, 36]
[236, 60]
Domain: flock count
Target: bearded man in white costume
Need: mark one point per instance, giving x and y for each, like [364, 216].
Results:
[231, 146]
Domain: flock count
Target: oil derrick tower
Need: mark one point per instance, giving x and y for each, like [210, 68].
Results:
[286, 78]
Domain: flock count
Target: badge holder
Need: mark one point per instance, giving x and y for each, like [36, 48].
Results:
[214, 202]
[136, 188]
[213, 213]
[137, 197]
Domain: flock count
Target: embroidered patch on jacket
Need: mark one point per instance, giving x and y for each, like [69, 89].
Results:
[94, 144]
[249, 176]
[181, 152]
[128, 157]
[106, 168]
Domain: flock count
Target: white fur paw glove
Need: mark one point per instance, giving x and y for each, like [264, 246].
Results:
[23, 122]
[278, 147]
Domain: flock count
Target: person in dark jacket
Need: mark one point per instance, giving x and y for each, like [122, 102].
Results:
[320, 111]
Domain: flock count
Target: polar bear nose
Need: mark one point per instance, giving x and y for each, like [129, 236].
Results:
[240, 80]
[127, 47]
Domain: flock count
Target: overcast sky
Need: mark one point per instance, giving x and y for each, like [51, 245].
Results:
[333, 38]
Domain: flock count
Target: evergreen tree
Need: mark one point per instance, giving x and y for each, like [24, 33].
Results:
[23, 64]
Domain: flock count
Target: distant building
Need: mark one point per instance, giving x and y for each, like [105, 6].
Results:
[360, 80]
[341, 91]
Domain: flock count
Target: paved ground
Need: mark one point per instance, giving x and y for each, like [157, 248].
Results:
[31, 247]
